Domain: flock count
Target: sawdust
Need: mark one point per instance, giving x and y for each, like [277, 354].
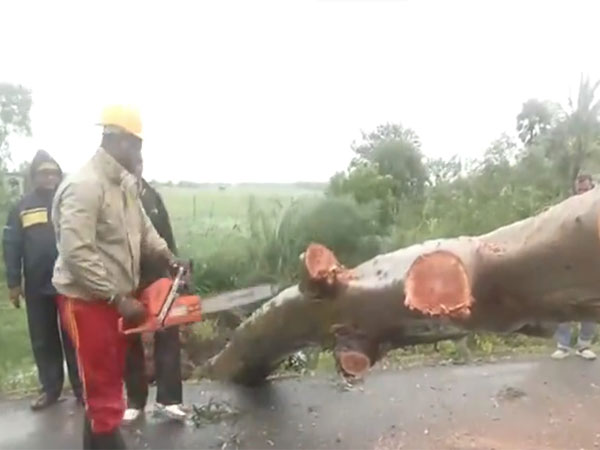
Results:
[212, 412]
[509, 393]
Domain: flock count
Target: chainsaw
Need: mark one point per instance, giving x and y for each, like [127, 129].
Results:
[166, 306]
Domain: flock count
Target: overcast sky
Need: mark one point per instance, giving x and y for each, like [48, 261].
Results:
[276, 91]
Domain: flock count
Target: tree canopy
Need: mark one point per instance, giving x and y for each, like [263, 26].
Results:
[420, 198]
[15, 106]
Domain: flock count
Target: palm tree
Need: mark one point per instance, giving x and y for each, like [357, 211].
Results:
[575, 141]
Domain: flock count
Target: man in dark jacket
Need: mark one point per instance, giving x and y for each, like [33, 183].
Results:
[167, 347]
[30, 252]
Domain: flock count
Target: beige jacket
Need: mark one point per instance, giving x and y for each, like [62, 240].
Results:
[102, 232]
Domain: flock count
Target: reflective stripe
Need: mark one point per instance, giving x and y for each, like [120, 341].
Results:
[70, 319]
[71, 325]
[35, 216]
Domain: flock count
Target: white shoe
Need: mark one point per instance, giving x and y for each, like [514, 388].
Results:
[586, 353]
[131, 415]
[171, 411]
[560, 353]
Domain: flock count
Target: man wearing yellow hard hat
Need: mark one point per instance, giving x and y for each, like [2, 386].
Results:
[102, 235]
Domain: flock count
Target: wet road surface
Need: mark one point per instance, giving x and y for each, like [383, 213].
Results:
[510, 405]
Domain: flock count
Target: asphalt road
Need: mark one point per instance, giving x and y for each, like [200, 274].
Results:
[533, 404]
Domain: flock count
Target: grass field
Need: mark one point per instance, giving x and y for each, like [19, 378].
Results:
[17, 371]
[228, 205]
[214, 228]
[204, 220]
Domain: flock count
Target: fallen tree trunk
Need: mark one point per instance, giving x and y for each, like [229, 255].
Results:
[543, 268]
[294, 320]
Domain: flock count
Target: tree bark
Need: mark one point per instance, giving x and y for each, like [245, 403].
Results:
[543, 268]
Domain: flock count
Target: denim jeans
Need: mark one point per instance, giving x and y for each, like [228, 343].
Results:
[586, 334]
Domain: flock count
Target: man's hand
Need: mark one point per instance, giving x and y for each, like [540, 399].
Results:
[176, 263]
[130, 309]
[15, 294]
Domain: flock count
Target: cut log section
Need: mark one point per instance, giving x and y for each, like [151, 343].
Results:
[545, 268]
[323, 276]
[354, 352]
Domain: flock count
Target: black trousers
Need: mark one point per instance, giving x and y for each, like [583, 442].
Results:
[167, 363]
[50, 344]
[101, 441]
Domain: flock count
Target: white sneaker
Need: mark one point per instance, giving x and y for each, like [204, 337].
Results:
[131, 415]
[560, 353]
[171, 411]
[586, 353]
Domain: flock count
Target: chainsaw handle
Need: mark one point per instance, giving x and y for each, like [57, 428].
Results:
[144, 327]
[123, 330]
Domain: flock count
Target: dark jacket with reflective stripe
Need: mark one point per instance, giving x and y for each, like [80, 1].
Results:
[157, 212]
[29, 243]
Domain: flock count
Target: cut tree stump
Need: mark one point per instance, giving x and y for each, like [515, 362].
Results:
[545, 268]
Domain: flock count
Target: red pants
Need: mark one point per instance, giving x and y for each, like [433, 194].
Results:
[101, 351]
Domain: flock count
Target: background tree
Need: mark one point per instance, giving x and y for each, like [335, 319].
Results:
[535, 119]
[443, 171]
[388, 170]
[583, 126]
[15, 106]
[396, 151]
[367, 186]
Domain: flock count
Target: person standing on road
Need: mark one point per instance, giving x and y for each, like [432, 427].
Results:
[30, 252]
[167, 347]
[103, 234]
[583, 183]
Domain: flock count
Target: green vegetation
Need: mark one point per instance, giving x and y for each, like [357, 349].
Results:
[390, 196]
[17, 371]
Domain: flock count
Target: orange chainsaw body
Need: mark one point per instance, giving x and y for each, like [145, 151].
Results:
[185, 308]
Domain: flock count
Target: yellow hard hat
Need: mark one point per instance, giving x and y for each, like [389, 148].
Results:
[124, 117]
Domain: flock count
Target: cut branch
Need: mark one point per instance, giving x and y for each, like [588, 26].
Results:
[437, 284]
[324, 276]
[354, 352]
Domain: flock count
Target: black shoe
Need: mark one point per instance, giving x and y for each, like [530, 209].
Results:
[88, 443]
[43, 401]
[108, 441]
[101, 441]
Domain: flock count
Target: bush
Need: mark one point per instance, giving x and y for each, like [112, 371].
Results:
[346, 228]
[269, 250]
